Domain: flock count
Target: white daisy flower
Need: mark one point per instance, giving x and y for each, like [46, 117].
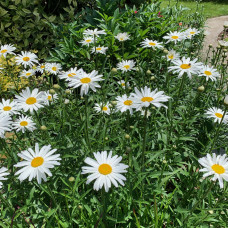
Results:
[86, 81]
[27, 73]
[7, 49]
[37, 163]
[88, 40]
[26, 59]
[53, 68]
[174, 37]
[28, 100]
[8, 107]
[126, 65]
[125, 103]
[217, 114]
[24, 123]
[5, 124]
[151, 44]
[3, 173]
[40, 68]
[105, 169]
[123, 84]
[99, 49]
[223, 43]
[95, 32]
[122, 37]
[210, 73]
[72, 73]
[172, 55]
[185, 65]
[49, 98]
[102, 108]
[145, 97]
[215, 165]
[189, 33]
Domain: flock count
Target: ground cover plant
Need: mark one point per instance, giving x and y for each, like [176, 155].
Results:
[123, 126]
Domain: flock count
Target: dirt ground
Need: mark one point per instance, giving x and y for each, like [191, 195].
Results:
[213, 27]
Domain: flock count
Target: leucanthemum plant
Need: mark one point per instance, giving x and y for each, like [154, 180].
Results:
[7, 49]
[5, 124]
[126, 65]
[122, 37]
[37, 163]
[151, 44]
[174, 37]
[99, 49]
[3, 174]
[106, 169]
[26, 59]
[24, 123]
[8, 107]
[210, 73]
[102, 108]
[217, 114]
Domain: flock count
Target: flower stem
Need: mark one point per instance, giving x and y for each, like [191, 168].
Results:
[144, 139]
[87, 124]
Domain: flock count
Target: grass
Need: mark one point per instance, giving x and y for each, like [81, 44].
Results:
[211, 9]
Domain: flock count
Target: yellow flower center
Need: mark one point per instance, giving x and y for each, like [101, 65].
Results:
[38, 161]
[208, 73]
[128, 102]
[54, 68]
[105, 169]
[49, 97]
[7, 108]
[42, 67]
[26, 59]
[121, 38]
[152, 43]
[105, 108]
[127, 67]
[192, 33]
[219, 115]
[23, 123]
[28, 74]
[31, 101]
[98, 49]
[170, 56]
[88, 41]
[175, 37]
[123, 84]
[85, 80]
[148, 99]
[71, 75]
[185, 66]
[218, 169]
[4, 51]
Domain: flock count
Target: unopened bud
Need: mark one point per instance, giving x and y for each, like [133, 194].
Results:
[132, 127]
[148, 72]
[67, 91]
[52, 91]
[114, 70]
[114, 102]
[127, 136]
[82, 98]
[43, 128]
[136, 69]
[210, 45]
[110, 106]
[56, 86]
[106, 138]
[201, 88]
[152, 78]
[165, 51]
[71, 179]
[128, 149]
[67, 101]
[164, 161]
[226, 100]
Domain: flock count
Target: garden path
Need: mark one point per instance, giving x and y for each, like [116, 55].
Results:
[213, 27]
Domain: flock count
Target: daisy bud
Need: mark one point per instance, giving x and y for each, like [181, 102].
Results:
[110, 106]
[201, 88]
[43, 128]
[52, 91]
[66, 101]
[82, 98]
[225, 25]
[67, 91]
[71, 179]
[106, 138]
[56, 86]
[47, 83]
[210, 45]
[192, 53]
[128, 149]
[127, 136]
[80, 207]
[148, 72]
[114, 102]
[211, 212]
[114, 70]
[164, 161]
[132, 127]
[226, 100]
[136, 69]
[165, 51]
[152, 78]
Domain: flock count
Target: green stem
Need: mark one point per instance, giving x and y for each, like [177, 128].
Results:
[144, 139]
[87, 124]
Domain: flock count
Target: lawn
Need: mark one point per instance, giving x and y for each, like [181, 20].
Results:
[211, 9]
